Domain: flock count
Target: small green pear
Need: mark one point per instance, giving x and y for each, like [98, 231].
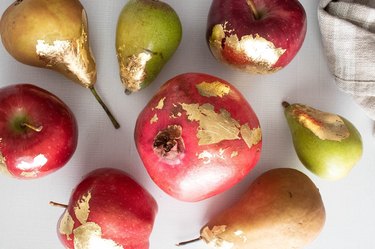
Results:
[52, 34]
[327, 144]
[281, 209]
[148, 34]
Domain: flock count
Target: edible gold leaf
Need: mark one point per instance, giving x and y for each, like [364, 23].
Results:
[251, 136]
[326, 126]
[234, 154]
[66, 225]
[3, 166]
[160, 104]
[213, 89]
[82, 210]
[213, 127]
[213, 239]
[29, 174]
[72, 55]
[154, 119]
[89, 236]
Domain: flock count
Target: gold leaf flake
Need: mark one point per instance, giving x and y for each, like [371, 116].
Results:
[326, 126]
[89, 236]
[213, 89]
[212, 237]
[160, 104]
[206, 156]
[154, 119]
[133, 69]
[3, 166]
[72, 55]
[66, 225]
[30, 174]
[213, 127]
[82, 210]
[234, 154]
[263, 53]
[251, 136]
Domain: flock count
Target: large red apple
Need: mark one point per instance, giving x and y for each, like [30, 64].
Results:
[257, 36]
[108, 210]
[38, 132]
[197, 137]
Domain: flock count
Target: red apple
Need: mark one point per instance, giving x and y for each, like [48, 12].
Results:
[197, 137]
[38, 132]
[108, 210]
[257, 36]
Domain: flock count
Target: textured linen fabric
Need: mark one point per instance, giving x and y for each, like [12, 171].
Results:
[348, 35]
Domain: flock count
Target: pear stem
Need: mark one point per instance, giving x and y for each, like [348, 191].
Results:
[111, 117]
[55, 204]
[285, 104]
[32, 127]
[189, 241]
[253, 8]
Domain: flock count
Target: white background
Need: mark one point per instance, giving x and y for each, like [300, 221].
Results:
[28, 222]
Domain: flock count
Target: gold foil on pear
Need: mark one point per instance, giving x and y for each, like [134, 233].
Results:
[262, 53]
[326, 126]
[89, 236]
[82, 210]
[133, 69]
[71, 57]
[66, 225]
[213, 89]
[213, 239]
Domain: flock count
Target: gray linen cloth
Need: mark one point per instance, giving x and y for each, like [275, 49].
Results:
[348, 36]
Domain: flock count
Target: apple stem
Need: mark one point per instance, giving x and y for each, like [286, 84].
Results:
[189, 241]
[111, 117]
[253, 8]
[32, 127]
[285, 104]
[55, 204]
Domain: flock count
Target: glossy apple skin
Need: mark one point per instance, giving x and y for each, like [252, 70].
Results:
[200, 170]
[121, 207]
[282, 22]
[26, 153]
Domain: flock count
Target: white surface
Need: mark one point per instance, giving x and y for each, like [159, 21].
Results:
[26, 219]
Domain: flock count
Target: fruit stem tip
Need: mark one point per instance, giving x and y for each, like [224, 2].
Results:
[253, 9]
[111, 117]
[285, 104]
[32, 127]
[189, 241]
[55, 204]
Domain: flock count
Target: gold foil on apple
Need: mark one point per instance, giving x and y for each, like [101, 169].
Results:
[82, 210]
[234, 154]
[213, 89]
[261, 53]
[213, 239]
[251, 136]
[74, 56]
[213, 127]
[326, 126]
[66, 225]
[3, 166]
[133, 69]
[29, 174]
[89, 236]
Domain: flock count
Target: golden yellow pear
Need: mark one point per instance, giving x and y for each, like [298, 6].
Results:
[51, 34]
[282, 209]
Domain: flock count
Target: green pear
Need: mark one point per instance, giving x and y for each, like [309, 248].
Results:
[148, 34]
[281, 209]
[327, 144]
[52, 34]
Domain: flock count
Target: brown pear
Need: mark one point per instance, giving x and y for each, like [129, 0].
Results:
[52, 34]
[282, 209]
